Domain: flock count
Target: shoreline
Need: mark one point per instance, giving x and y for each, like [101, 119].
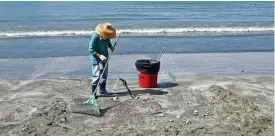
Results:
[254, 63]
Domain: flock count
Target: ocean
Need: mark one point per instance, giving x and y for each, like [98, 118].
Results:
[32, 31]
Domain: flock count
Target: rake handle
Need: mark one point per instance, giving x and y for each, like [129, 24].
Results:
[106, 64]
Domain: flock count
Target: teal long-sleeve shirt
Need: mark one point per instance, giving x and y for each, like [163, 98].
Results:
[98, 46]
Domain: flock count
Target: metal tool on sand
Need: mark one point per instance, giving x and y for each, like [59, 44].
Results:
[125, 84]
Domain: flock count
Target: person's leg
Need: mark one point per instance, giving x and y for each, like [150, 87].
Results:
[95, 79]
[104, 81]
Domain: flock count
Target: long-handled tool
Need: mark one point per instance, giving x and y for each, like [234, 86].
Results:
[91, 106]
[105, 66]
[125, 84]
[160, 54]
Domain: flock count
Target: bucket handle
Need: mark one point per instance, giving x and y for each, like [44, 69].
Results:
[160, 53]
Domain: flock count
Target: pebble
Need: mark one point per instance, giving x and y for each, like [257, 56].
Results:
[205, 114]
[195, 113]
[161, 115]
[144, 99]
[137, 97]
[62, 120]
[115, 98]
[188, 122]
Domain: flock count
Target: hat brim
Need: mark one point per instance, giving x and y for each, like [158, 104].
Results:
[106, 31]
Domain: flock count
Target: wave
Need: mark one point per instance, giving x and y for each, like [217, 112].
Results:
[145, 32]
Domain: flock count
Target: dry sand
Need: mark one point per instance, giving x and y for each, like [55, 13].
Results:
[182, 105]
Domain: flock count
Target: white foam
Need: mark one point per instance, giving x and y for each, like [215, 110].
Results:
[143, 31]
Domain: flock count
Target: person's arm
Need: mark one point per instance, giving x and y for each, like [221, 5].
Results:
[110, 46]
[93, 51]
[92, 47]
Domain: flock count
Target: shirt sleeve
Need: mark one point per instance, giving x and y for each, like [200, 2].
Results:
[92, 46]
[109, 44]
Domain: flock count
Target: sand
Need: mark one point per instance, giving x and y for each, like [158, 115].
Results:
[181, 105]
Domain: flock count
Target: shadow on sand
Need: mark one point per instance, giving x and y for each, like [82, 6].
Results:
[155, 91]
[103, 111]
[167, 85]
[144, 91]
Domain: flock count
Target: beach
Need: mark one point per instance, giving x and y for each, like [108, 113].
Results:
[181, 105]
[216, 73]
[197, 94]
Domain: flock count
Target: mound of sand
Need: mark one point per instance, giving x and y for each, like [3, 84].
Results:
[235, 115]
[47, 119]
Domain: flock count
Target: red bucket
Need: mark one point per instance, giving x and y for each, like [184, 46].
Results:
[147, 80]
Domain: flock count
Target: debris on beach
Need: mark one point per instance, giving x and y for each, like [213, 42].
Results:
[195, 112]
[205, 114]
[115, 98]
[147, 98]
[161, 115]
[188, 122]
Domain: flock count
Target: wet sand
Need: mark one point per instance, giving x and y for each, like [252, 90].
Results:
[181, 105]
[242, 63]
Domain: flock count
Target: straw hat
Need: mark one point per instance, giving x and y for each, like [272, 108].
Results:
[106, 30]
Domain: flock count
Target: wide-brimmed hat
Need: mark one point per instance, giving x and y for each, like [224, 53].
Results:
[106, 30]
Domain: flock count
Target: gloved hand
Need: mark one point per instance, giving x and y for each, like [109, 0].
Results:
[103, 58]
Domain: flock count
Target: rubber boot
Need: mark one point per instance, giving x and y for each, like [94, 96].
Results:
[103, 89]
